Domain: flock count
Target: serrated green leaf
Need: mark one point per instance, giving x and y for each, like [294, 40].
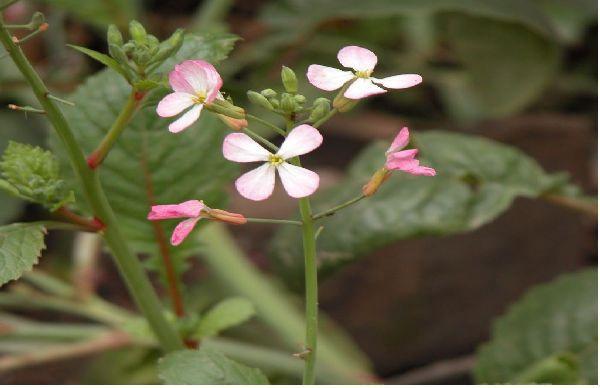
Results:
[20, 247]
[147, 157]
[549, 336]
[33, 174]
[102, 58]
[206, 366]
[477, 180]
[226, 314]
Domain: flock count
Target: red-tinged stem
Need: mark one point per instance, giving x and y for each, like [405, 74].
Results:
[93, 225]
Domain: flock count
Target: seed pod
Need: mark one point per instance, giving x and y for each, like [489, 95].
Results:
[37, 20]
[375, 182]
[114, 36]
[259, 99]
[289, 80]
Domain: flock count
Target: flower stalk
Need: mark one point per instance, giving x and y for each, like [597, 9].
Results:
[129, 266]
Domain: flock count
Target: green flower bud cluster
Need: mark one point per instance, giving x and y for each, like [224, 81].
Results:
[143, 53]
[33, 174]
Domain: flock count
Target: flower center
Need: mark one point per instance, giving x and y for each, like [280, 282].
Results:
[199, 98]
[364, 74]
[275, 160]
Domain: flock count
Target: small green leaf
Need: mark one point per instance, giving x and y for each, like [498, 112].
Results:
[228, 313]
[102, 58]
[206, 366]
[32, 173]
[20, 247]
[549, 336]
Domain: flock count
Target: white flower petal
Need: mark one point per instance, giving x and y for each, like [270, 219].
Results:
[358, 58]
[362, 88]
[327, 78]
[239, 147]
[187, 119]
[174, 103]
[300, 141]
[257, 184]
[401, 81]
[298, 182]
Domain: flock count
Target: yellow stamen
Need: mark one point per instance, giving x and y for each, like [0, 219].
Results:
[275, 160]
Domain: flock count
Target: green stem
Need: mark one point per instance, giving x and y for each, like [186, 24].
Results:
[129, 266]
[261, 139]
[267, 124]
[329, 115]
[311, 290]
[334, 209]
[584, 204]
[98, 155]
[273, 221]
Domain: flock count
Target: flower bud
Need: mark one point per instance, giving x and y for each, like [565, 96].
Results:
[289, 80]
[274, 102]
[152, 41]
[235, 124]
[259, 99]
[300, 99]
[269, 93]
[320, 109]
[37, 20]
[288, 104]
[225, 216]
[376, 181]
[113, 36]
[137, 31]
[226, 108]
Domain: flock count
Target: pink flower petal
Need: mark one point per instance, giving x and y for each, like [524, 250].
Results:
[422, 170]
[358, 58]
[202, 77]
[362, 88]
[327, 78]
[187, 119]
[300, 141]
[298, 182]
[174, 103]
[257, 184]
[402, 155]
[182, 230]
[400, 141]
[178, 82]
[402, 164]
[399, 81]
[187, 209]
[239, 147]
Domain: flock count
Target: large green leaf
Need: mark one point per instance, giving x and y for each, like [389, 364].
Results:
[206, 366]
[477, 180]
[20, 247]
[147, 157]
[504, 67]
[548, 337]
[226, 314]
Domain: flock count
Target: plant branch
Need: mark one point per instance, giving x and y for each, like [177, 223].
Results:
[93, 225]
[261, 139]
[273, 221]
[129, 266]
[582, 204]
[267, 124]
[335, 209]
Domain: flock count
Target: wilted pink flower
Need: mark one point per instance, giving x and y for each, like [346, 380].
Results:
[194, 211]
[404, 160]
[258, 184]
[362, 61]
[195, 83]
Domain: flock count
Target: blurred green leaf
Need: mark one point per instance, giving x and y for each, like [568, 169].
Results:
[547, 337]
[99, 13]
[226, 314]
[206, 366]
[570, 18]
[148, 164]
[477, 180]
[20, 247]
[505, 67]
[33, 174]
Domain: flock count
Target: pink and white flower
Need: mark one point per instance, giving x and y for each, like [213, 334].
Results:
[258, 184]
[193, 211]
[362, 61]
[404, 160]
[195, 83]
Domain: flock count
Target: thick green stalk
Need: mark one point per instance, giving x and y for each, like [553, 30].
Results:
[98, 155]
[129, 266]
[311, 290]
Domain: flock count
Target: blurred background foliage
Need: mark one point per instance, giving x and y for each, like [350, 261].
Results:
[523, 72]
